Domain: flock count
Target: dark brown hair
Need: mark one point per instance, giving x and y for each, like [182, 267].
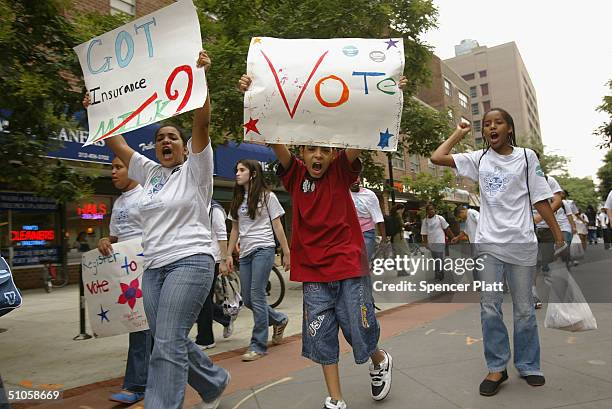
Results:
[258, 189]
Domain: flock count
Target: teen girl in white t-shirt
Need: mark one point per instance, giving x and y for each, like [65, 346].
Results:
[510, 181]
[178, 262]
[255, 214]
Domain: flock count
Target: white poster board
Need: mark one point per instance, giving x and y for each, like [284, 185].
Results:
[144, 71]
[340, 92]
[113, 289]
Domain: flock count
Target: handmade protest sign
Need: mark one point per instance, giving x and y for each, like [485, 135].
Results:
[340, 92]
[113, 289]
[144, 71]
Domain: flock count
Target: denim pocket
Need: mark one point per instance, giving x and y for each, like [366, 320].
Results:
[311, 287]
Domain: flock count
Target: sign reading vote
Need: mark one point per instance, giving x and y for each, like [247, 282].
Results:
[113, 289]
[339, 92]
[144, 71]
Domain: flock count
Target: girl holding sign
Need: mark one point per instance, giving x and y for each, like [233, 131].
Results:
[255, 214]
[126, 224]
[179, 266]
[510, 181]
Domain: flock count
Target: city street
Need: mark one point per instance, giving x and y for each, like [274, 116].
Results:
[437, 350]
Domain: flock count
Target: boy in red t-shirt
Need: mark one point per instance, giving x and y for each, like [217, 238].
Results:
[328, 256]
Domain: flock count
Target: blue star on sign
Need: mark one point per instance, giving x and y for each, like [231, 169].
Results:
[102, 315]
[391, 43]
[384, 138]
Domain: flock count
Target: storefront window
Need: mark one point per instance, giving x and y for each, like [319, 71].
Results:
[29, 233]
[86, 223]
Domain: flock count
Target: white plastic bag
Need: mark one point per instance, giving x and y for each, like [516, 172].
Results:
[576, 249]
[567, 308]
[572, 317]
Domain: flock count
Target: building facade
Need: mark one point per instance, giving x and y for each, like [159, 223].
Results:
[498, 77]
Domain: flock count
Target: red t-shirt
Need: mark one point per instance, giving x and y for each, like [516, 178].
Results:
[326, 242]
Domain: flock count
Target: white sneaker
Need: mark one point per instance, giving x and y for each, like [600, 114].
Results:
[229, 330]
[381, 378]
[210, 346]
[331, 404]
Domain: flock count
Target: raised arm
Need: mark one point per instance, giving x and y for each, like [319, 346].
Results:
[442, 155]
[116, 143]
[201, 118]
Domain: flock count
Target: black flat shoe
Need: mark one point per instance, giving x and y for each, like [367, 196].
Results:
[490, 388]
[535, 380]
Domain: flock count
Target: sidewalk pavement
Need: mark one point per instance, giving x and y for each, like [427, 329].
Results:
[437, 351]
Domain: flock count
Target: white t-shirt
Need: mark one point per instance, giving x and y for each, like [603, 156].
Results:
[126, 223]
[602, 218]
[218, 232]
[560, 215]
[471, 224]
[257, 233]
[368, 209]
[434, 228]
[505, 226]
[174, 206]
[608, 204]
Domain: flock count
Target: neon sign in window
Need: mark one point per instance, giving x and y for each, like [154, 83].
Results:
[92, 211]
[30, 235]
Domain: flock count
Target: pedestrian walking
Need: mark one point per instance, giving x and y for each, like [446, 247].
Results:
[255, 214]
[331, 262]
[205, 338]
[592, 227]
[511, 181]
[434, 231]
[370, 216]
[126, 224]
[178, 262]
[604, 224]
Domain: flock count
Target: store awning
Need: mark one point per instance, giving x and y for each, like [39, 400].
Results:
[229, 153]
[474, 200]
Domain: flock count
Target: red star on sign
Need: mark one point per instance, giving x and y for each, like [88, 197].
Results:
[252, 126]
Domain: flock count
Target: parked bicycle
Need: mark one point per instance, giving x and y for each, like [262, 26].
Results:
[51, 276]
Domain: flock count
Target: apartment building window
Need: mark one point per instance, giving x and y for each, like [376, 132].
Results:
[447, 87]
[486, 105]
[463, 99]
[398, 161]
[123, 6]
[415, 163]
[473, 92]
[476, 125]
[484, 89]
[482, 73]
[475, 110]
[468, 77]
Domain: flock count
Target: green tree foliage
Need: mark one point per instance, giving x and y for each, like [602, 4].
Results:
[552, 164]
[605, 176]
[605, 129]
[229, 25]
[38, 97]
[429, 188]
[582, 190]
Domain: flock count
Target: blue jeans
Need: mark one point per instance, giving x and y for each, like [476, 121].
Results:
[369, 237]
[345, 304]
[173, 298]
[139, 352]
[494, 332]
[254, 274]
